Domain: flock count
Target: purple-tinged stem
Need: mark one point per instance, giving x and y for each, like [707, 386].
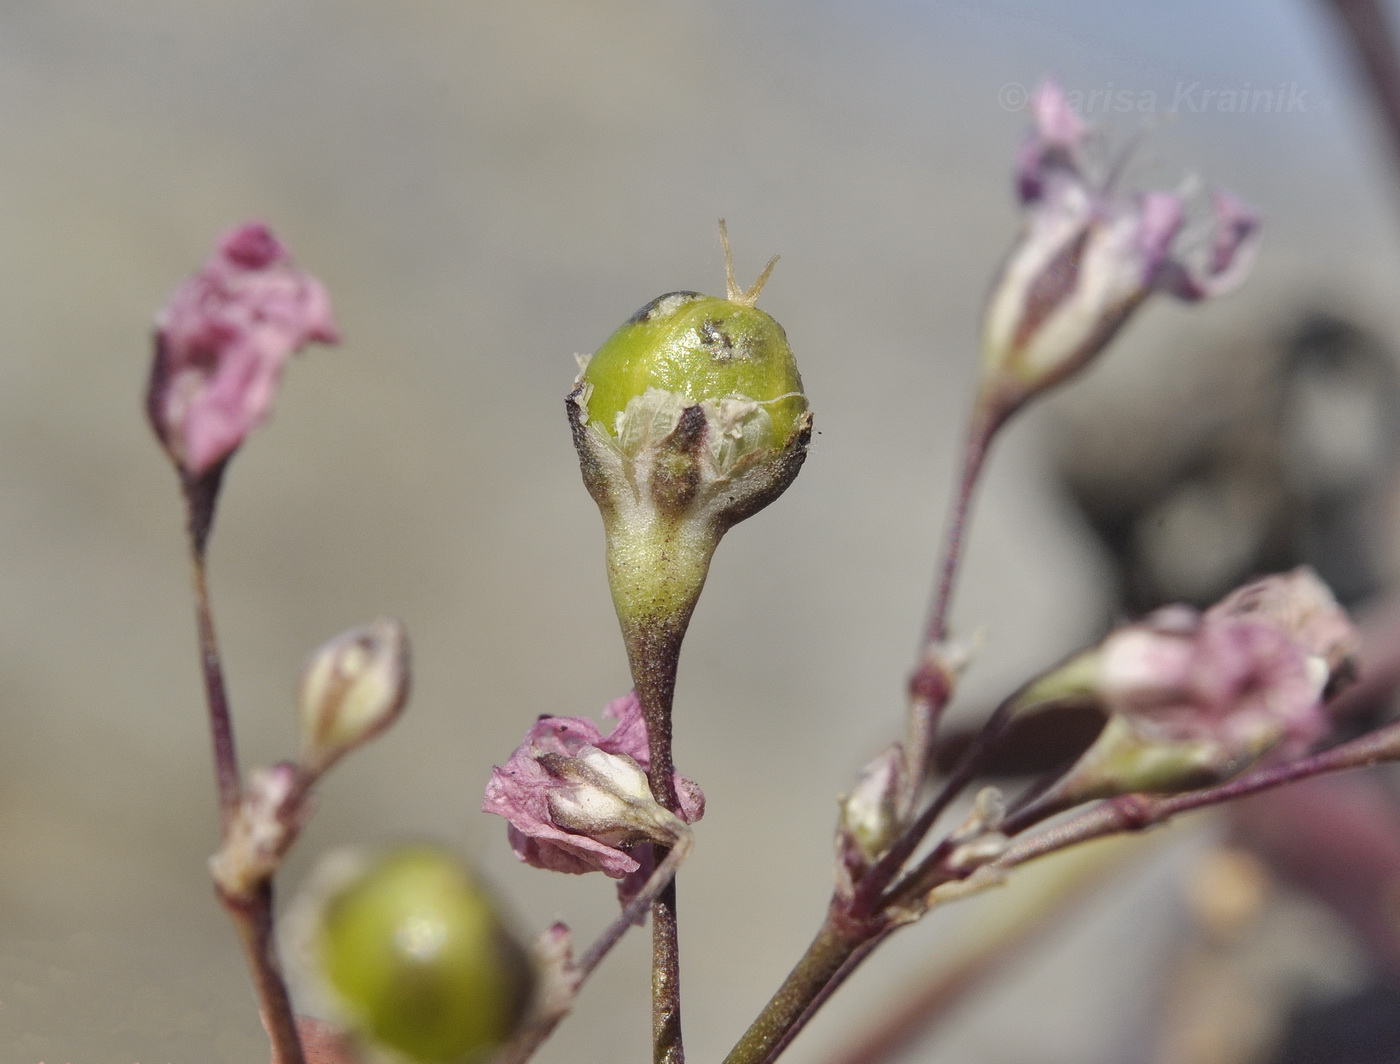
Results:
[893, 1034]
[979, 439]
[530, 1039]
[252, 916]
[653, 649]
[843, 942]
[1371, 39]
[226, 773]
[253, 919]
[930, 686]
[200, 497]
[1136, 812]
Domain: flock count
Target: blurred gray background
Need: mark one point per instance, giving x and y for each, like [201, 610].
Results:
[488, 188]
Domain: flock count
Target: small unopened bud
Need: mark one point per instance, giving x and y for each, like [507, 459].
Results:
[876, 809]
[420, 962]
[872, 815]
[352, 688]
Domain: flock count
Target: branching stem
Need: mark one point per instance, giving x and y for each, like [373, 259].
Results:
[251, 916]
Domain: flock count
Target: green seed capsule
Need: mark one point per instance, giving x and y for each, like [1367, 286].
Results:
[704, 348]
[689, 419]
[416, 954]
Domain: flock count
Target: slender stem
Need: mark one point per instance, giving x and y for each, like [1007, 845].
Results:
[252, 916]
[844, 941]
[253, 919]
[226, 772]
[534, 1035]
[894, 1033]
[834, 945]
[1372, 42]
[830, 987]
[979, 439]
[665, 872]
[930, 685]
[201, 498]
[667, 1044]
[1136, 812]
[654, 647]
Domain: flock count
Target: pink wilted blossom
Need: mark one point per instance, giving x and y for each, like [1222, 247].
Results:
[1240, 682]
[1196, 698]
[221, 344]
[1303, 606]
[579, 802]
[1087, 258]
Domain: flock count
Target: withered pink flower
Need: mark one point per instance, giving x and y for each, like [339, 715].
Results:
[580, 802]
[1087, 258]
[1303, 606]
[1194, 698]
[1240, 681]
[222, 342]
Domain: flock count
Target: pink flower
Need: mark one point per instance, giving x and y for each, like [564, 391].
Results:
[1087, 258]
[1303, 606]
[1196, 698]
[1239, 682]
[221, 344]
[578, 802]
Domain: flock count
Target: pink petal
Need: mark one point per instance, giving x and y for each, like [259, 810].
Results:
[1234, 246]
[1053, 146]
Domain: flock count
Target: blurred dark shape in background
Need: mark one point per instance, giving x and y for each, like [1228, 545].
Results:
[1303, 472]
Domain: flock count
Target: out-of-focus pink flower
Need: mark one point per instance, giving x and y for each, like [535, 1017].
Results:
[1303, 606]
[1193, 698]
[1239, 681]
[579, 802]
[221, 344]
[1087, 258]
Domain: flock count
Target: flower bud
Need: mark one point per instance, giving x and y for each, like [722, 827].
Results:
[689, 418]
[872, 815]
[1087, 258]
[351, 690]
[419, 961]
[875, 810]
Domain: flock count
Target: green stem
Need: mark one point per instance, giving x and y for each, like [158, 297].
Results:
[837, 943]
[656, 570]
